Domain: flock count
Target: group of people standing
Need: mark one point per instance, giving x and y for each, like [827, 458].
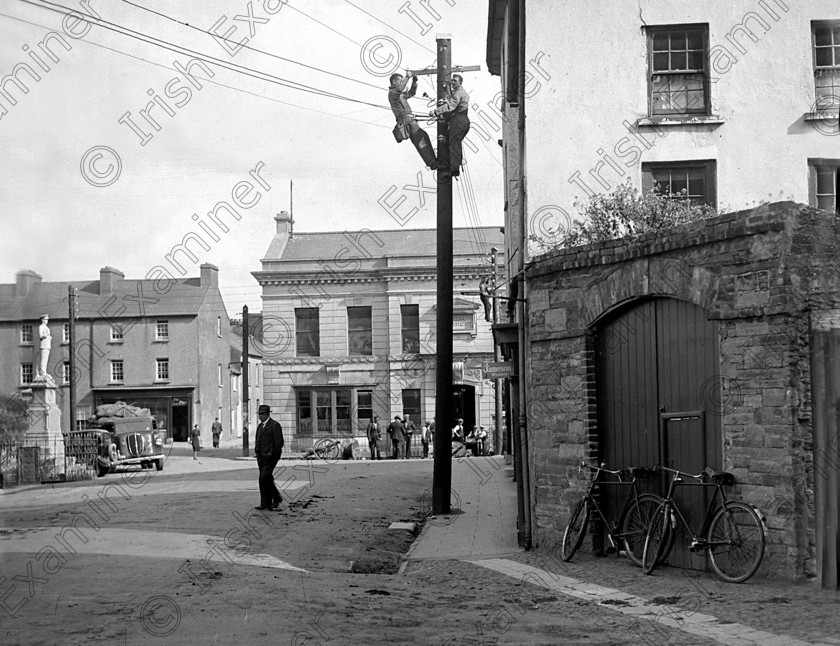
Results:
[400, 433]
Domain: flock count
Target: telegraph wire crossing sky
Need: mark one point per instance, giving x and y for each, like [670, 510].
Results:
[129, 127]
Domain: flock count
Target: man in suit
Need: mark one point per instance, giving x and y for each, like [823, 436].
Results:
[397, 432]
[268, 447]
[409, 428]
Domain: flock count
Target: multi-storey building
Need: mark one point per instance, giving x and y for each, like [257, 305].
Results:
[163, 345]
[727, 103]
[349, 322]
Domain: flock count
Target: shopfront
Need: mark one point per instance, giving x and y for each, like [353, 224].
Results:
[171, 407]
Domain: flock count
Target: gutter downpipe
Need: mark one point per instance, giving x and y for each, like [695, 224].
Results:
[522, 305]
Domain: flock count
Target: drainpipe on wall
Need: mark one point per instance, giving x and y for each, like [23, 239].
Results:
[522, 310]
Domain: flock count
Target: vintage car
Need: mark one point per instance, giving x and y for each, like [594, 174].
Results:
[129, 440]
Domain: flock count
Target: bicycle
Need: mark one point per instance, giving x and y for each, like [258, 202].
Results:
[327, 449]
[631, 528]
[734, 530]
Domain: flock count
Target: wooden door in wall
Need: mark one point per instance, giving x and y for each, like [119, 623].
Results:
[659, 399]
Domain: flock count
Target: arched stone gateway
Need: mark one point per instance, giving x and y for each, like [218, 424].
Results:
[704, 345]
[658, 387]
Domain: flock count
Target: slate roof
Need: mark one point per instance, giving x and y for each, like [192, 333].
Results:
[184, 297]
[396, 243]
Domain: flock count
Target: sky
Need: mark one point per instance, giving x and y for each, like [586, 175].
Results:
[87, 182]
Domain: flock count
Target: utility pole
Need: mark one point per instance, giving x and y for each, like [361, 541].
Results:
[442, 475]
[444, 399]
[71, 341]
[497, 356]
[245, 395]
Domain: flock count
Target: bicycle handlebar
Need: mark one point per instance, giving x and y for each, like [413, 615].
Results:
[636, 472]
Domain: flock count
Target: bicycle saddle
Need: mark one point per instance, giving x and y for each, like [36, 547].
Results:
[639, 472]
[720, 477]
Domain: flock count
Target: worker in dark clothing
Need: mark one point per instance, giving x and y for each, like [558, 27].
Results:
[455, 108]
[398, 97]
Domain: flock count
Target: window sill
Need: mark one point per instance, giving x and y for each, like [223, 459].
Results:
[823, 116]
[678, 120]
[116, 341]
[161, 341]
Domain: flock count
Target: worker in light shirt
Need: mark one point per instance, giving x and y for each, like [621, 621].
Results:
[455, 108]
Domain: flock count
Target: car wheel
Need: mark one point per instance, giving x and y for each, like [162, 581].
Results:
[101, 471]
[159, 465]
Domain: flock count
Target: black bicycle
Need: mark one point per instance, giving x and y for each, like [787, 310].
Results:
[732, 532]
[631, 528]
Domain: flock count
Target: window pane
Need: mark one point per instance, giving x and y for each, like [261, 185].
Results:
[678, 40]
[360, 341]
[307, 332]
[660, 62]
[696, 60]
[323, 409]
[822, 36]
[825, 181]
[695, 39]
[679, 61]
[410, 328]
[660, 42]
[826, 203]
[824, 58]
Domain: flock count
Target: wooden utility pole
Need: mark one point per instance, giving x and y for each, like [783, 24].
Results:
[245, 395]
[71, 341]
[442, 477]
[497, 356]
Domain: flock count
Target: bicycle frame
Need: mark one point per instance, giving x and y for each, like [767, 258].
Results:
[698, 543]
[633, 495]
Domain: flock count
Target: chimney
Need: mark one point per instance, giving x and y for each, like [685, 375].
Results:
[285, 224]
[25, 279]
[108, 279]
[209, 275]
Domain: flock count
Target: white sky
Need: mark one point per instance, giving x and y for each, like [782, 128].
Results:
[341, 155]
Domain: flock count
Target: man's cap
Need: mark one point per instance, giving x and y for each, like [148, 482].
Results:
[396, 417]
[263, 409]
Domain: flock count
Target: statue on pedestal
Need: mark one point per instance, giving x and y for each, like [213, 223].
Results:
[46, 344]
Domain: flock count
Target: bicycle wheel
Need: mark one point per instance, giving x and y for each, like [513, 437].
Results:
[736, 542]
[633, 525]
[575, 530]
[327, 449]
[659, 538]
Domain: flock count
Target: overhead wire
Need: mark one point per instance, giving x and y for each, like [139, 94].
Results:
[179, 49]
[248, 47]
[389, 26]
[210, 81]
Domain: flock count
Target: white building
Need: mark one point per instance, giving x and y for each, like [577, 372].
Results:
[349, 329]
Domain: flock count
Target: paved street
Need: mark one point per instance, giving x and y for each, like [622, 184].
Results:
[180, 557]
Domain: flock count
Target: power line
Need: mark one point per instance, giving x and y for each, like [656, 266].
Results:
[345, 36]
[210, 81]
[164, 44]
[390, 26]
[243, 46]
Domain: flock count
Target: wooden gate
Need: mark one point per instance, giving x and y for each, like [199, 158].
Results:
[825, 389]
[659, 397]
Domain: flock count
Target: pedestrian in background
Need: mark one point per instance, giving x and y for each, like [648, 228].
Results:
[425, 438]
[374, 437]
[195, 440]
[217, 432]
[268, 447]
[397, 435]
[409, 428]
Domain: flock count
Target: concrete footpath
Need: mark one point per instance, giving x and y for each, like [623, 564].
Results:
[481, 531]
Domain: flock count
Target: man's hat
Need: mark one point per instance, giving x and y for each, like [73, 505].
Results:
[264, 409]
[397, 417]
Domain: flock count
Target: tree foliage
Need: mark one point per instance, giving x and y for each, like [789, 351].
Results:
[625, 212]
[13, 417]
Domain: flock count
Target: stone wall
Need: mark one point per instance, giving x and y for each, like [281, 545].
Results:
[765, 275]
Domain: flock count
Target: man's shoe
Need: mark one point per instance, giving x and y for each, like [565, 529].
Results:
[261, 508]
